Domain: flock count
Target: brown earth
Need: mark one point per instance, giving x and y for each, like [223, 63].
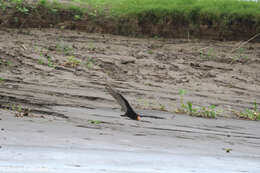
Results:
[40, 69]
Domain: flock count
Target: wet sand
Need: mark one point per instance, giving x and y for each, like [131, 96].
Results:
[178, 143]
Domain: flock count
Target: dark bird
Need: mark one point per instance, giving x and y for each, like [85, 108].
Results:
[125, 106]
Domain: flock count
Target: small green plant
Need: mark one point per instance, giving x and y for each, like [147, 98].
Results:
[19, 108]
[188, 108]
[5, 62]
[150, 52]
[20, 6]
[210, 54]
[94, 121]
[53, 10]
[89, 62]
[250, 114]
[239, 56]
[1, 79]
[77, 17]
[50, 63]
[209, 112]
[162, 107]
[40, 61]
[42, 2]
[206, 112]
[182, 92]
[64, 48]
[4, 5]
[72, 61]
[192, 111]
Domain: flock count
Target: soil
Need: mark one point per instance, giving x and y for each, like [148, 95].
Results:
[42, 68]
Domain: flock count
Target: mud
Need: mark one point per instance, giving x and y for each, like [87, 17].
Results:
[44, 68]
[183, 143]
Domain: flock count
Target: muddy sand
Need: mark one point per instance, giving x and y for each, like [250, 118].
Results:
[73, 124]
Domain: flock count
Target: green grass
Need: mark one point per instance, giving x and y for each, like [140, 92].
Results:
[190, 8]
[250, 114]
[94, 121]
[199, 111]
[205, 112]
[89, 62]
[73, 61]
[151, 17]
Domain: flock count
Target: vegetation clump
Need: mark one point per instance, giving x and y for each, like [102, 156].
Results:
[188, 108]
[221, 19]
[250, 114]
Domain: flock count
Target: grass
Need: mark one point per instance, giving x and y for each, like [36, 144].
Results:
[72, 61]
[19, 110]
[162, 107]
[211, 111]
[239, 56]
[50, 63]
[171, 18]
[64, 48]
[191, 8]
[200, 111]
[250, 114]
[4, 62]
[209, 54]
[89, 63]
[205, 112]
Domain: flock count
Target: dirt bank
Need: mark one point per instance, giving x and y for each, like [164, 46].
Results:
[42, 68]
[195, 21]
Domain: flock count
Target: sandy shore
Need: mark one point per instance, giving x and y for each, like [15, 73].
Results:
[180, 143]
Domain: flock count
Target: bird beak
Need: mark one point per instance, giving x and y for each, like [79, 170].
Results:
[138, 118]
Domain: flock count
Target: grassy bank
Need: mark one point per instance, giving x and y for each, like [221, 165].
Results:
[217, 19]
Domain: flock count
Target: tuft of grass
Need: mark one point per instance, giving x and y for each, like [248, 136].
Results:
[77, 17]
[50, 63]
[239, 56]
[40, 61]
[72, 61]
[64, 48]
[188, 108]
[89, 63]
[19, 110]
[5, 62]
[1, 79]
[205, 112]
[250, 114]
[162, 107]
[182, 92]
[210, 54]
[94, 121]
